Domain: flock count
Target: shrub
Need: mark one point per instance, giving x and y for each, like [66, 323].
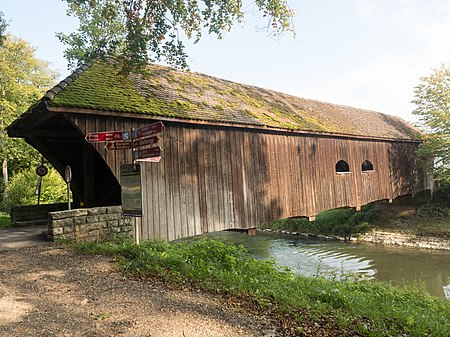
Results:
[5, 221]
[21, 190]
[342, 221]
[442, 194]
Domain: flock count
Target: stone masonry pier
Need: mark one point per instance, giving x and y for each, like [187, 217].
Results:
[88, 224]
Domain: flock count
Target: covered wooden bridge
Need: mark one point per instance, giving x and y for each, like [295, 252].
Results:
[233, 155]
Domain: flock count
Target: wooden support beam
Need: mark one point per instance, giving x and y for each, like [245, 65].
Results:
[49, 134]
[251, 231]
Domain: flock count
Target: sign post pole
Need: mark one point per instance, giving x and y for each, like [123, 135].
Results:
[41, 171]
[38, 189]
[133, 131]
[68, 179]
[136, 231]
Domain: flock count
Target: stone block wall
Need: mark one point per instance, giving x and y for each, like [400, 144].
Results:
[89, 224]
[403, 239]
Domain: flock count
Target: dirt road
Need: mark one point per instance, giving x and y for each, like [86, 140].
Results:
[50, 291]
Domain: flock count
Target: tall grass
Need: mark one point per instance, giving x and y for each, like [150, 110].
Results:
[369, 308]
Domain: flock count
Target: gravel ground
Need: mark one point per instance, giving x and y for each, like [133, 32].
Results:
[51, 291]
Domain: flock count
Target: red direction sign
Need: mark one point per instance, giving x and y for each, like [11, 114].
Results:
[107, 136]
[112, 146]
[149, 129]
[151, 154]
[146, 141]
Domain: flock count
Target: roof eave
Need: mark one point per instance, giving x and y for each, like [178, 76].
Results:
[21, 125]
[58, 109]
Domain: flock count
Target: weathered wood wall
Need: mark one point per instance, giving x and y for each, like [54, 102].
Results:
[212, 178]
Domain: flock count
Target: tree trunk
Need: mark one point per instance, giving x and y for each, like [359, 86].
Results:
[5, 174]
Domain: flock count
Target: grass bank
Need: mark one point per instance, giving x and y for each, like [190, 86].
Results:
[343, 222]
[431, 218]
[5, 220]
[367, 308]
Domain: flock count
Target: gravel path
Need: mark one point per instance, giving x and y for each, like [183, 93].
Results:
[52, 291]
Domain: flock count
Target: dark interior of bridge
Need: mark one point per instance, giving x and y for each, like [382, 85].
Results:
[62, 143]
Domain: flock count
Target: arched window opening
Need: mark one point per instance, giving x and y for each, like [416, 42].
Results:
[342, 167]
[367, 166]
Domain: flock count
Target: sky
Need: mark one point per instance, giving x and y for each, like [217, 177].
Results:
[367, 54]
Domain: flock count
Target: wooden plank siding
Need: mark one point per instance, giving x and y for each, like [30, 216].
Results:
[212, 178]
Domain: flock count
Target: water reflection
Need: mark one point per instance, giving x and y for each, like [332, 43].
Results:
[429, 269]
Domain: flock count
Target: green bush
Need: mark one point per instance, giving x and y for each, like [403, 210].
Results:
[442, 194]
[21, 190]
[5, 221]
[342, 221]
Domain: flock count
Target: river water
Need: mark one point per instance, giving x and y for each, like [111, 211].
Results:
[398, 265]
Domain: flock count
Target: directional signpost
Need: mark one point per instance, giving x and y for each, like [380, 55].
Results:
[150, 129]
[144, 145]
[112, 146]
[147, 137]
[152, 154]
[108, 136]
[115, 140]
[146, 141]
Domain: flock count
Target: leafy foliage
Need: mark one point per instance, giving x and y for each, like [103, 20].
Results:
[22, 189]
[144, 31]
[23, 80]
[366, 308]
[5, 220]
[432, 97]
[342, 221]
[442, 194]
[3, 26]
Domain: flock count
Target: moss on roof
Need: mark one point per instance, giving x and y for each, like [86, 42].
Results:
[167, 92]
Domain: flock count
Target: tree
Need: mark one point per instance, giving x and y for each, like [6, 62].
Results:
[142, 31]
[432, 97]
[23, 80]
[3, 26]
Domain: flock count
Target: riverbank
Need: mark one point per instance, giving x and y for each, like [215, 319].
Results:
[404, 239]
[426, 225]
[385, 237]
[303, 306]
[403, 223]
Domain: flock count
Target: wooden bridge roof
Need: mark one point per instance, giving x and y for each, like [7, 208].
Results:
[167, 93]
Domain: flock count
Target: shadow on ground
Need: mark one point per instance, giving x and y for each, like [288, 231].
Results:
[22, 237]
